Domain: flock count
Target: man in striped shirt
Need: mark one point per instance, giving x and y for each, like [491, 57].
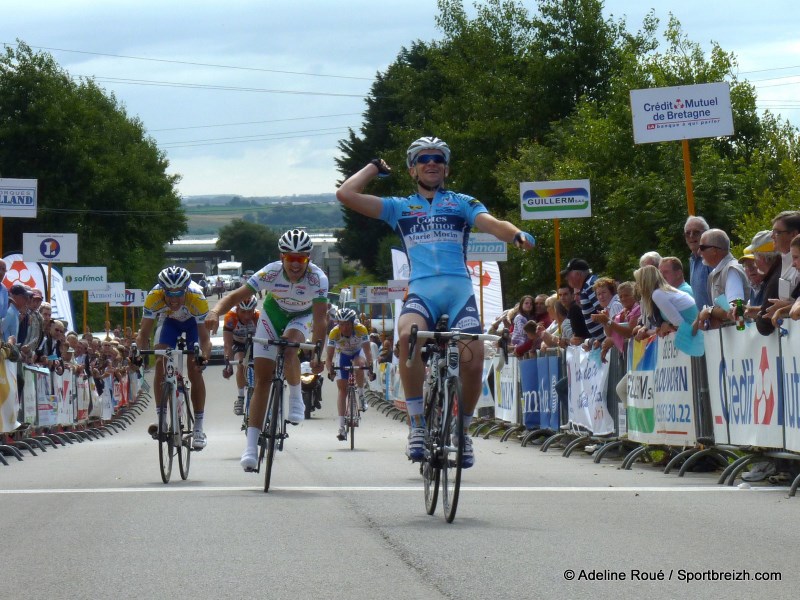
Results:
[580, 277]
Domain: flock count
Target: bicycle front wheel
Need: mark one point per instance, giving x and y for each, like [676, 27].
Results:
[352, 415]
[430, 467]
[186, 427]
[452, 433]
[166, 427]
[272, 430]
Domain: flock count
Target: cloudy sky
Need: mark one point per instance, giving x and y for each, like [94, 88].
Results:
[250, 97]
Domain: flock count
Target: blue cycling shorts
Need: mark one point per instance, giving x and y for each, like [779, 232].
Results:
[432, 297]
[172, 329]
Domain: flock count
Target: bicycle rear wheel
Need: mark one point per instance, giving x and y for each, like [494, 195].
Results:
[186, 427]
[273, 429]
[430, 468]
[165, 438]
[352, 415]
[452, 433]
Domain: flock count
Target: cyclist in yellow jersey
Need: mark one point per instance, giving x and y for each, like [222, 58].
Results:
[351, 340]
[181, 306]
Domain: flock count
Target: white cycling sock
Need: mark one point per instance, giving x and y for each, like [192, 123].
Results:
[252, 437]
[341, 421]
[295, 393]
[241, 392]
[198, 421]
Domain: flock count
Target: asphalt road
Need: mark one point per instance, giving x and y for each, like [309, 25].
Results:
[93, 520]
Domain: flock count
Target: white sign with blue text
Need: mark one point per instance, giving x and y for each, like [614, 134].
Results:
[50, 247]
[18, 197]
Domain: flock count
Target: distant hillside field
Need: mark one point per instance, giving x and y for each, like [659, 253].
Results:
[208, 213]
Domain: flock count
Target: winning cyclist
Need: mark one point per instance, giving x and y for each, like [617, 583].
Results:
[351, 339]
[295, 308]
[181, 305]
[434, 225]
[239, 322]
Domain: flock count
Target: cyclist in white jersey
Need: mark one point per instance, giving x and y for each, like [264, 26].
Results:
[295, 308]
[434, 225]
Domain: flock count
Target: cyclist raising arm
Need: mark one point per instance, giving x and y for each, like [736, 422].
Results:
[295, 308]
[434, 225]
[239, 322]
[182, 305]
[351, 339]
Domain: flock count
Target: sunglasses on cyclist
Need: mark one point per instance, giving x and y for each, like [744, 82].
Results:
[296, 258]
[175, 293]
[424, 159]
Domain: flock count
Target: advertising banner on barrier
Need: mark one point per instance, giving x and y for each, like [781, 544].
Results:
[660, 393]
[486, 398]
[538, 377]
[749, 381]
[588, 376]
[107, 399]
[505, 406]
[715, 366]
[9, 400]
[790, 378]
[62, 391]
[82, 399]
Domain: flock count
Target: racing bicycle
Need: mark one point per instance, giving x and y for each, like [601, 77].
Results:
[444, 412]
[352, 415]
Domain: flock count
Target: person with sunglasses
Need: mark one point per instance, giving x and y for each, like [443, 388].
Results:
[180, 305]
[238, 323]
[727, 279]
[295, 307]
[433, 224]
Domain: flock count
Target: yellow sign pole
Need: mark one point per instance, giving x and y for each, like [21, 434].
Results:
[49, 280]
[557, 246]
[480, 286]
[85, 311]
[687, 174]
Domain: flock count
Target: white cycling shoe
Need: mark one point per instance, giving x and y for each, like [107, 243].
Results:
[249, 460]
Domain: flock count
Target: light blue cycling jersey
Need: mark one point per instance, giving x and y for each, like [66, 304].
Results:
[434, 234]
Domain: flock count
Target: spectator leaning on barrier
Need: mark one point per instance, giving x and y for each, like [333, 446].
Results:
[785, 227]
[671, 270]
[769, 262]
[792, 310]
[693, 229]
[726, 279]
[580, 277]
[524, 314]
[621, 327]
[755, 277]
[570, 300]
[559, 332]
[17, 305]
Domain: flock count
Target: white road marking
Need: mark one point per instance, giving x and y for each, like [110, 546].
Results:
[412, 489]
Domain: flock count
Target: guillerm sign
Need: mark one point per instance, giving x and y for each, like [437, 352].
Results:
[682, 112]
[84, 278]
[555, 199]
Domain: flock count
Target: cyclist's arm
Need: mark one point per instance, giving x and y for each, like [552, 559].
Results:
[227, 344]
[225, 304]
[329, 357]
[367, 352]
[350, 193]
[145, 329]
[502, 230]
[205, 341]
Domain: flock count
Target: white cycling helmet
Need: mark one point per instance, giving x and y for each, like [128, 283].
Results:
[346, 314]
[174, 277]
[426, 143]
[295, 240]
[248, 304]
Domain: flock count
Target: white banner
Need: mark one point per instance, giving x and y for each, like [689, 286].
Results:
[85, 278]
[747, 380]
[681, 112]
[506, 387]
[791, 385]
[566, 199]
[114, 292]
[18, 198]
[59, 300]
[587, 377]
[486, 247]
[9, 400]
[132, 298]
[50, 247]
[24, 273]
[487, 289]
[397, 289]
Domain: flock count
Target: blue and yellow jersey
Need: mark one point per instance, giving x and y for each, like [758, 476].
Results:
[195, 305]
[348, 345]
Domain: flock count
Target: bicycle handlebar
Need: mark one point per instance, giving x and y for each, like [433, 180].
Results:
[195, 351]
[447, 335]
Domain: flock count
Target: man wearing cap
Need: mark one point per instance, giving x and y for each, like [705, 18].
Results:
[762, 242]
[726, 279]
[18, 304]
[579, 276]
[768, 262]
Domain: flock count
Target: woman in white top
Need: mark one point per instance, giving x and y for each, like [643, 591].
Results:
[677, 308]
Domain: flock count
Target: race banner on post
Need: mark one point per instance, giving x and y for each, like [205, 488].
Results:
[133, 297]
[50, 247]
[18, 198]
[545, 200]
[113, 292]
[587, 376]
[84, 278]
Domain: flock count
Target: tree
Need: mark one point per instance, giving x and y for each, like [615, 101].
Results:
[252, 244]
[99, 174]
